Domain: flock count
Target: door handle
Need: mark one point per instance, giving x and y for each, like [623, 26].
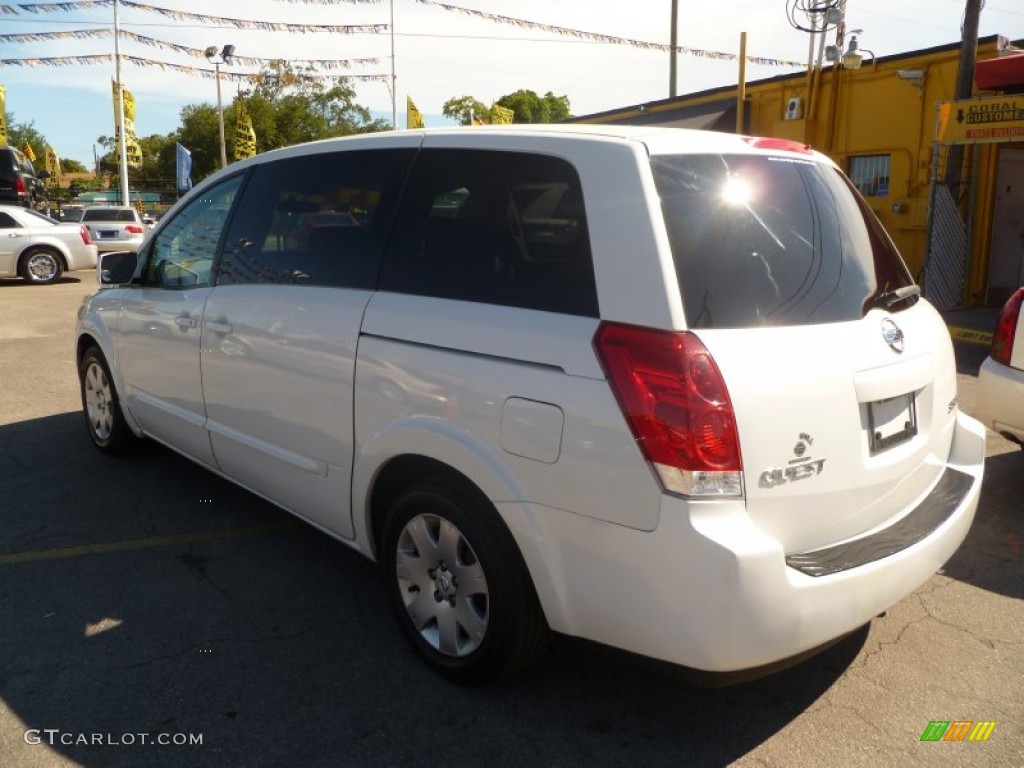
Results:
[186, 321]
[219, 327]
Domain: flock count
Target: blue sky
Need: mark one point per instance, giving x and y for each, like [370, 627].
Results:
[438, 54]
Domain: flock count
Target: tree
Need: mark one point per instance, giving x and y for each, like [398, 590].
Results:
[19, 133]
[69, 165]
[287, 105]
[526, 105]
[531, 108]
[462, 108]
[199, 134]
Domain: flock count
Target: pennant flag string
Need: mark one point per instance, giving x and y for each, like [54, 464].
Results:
[249, 61]
[274, 26]
[602, 38]
[78, 5]
[269, 26]
[241, 77]
[577, 34]
[36, 37]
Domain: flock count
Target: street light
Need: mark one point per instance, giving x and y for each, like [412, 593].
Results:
[217, 58]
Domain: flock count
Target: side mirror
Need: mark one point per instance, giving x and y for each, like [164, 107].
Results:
[117, 268]
[43, 175]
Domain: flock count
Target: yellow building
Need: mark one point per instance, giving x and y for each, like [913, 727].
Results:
[879, 122]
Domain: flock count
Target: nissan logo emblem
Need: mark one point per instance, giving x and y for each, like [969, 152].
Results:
[892, 335]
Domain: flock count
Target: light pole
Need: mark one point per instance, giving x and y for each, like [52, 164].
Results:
[217, 58]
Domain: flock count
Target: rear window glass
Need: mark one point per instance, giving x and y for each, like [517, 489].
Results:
[762, 240]
[109, 214]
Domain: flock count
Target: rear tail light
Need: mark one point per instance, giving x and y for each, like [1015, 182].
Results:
[1006, 329]
[675, 400]
[19, 187]
[84, 232]
[133, 229]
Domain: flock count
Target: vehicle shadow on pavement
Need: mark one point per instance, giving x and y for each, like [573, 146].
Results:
[992, 556]
[144, 595]
[14, 282]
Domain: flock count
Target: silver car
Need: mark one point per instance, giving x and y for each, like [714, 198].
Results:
[114, 227]
[40, 249]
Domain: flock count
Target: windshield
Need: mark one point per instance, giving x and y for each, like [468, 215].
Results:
[764, 240]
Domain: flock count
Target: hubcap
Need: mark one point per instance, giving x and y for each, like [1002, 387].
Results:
[443, 586]
[42, 266]
[98, 401]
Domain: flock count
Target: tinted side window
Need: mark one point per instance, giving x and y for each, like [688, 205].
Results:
[497, 227]
[181, 254]
[315, 220]
[8, 222]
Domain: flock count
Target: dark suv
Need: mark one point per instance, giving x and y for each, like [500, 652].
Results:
[19, 182]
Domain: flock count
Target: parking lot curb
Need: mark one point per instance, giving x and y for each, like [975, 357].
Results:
[970, 335]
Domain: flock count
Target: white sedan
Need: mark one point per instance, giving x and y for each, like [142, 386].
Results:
[1001, 379]
[40, 249]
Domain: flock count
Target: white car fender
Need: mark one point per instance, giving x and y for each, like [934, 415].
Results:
[438, 440]
[37, 240]
[93, 328]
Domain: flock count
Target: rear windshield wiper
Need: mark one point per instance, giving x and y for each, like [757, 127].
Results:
[889, 299]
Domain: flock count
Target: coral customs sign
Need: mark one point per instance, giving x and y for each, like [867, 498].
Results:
[974, 121]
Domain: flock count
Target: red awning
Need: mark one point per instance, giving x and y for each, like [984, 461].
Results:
[1000, 73]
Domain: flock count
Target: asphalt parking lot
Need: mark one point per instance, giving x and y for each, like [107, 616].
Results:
[147, 605]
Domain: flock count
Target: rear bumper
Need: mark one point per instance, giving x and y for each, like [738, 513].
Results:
[709, 590]
[108, 246]
[1001, 398]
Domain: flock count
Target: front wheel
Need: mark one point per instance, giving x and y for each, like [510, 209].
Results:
[101, 405]
[458, 585]
[41, 266]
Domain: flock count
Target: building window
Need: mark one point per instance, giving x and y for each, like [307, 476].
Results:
[870, 173]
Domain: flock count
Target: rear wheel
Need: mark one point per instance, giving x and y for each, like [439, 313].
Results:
[101, 405]
[458, 585]
[41, 266]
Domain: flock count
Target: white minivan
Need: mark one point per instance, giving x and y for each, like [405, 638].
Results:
[672, 391]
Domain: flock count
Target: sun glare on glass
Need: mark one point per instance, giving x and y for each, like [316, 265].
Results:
[737, 191]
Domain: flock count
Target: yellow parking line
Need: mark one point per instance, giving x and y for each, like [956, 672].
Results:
[61, 553]
[971, 336]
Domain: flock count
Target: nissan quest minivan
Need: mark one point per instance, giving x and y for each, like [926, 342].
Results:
[672, 391]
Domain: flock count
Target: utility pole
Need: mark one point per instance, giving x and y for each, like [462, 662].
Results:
[964, 88]
[674, 43]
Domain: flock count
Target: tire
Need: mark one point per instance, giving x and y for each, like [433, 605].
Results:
[41, 266]
[101, 405]
[458, 585]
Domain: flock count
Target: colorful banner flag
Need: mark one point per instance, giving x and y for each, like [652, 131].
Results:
[53, 165]
[413, 117]
[29, 153]
[132, 147]
[3, 115]
[245, 134]
[501, 115]
[183, 168]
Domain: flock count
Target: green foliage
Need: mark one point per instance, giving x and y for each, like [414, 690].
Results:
[19, 133]
[287, 106]
[462, 108]
[69, 165]
[527, 106]
[531, 108]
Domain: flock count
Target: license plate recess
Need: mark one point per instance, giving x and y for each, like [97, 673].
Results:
[891, 422]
